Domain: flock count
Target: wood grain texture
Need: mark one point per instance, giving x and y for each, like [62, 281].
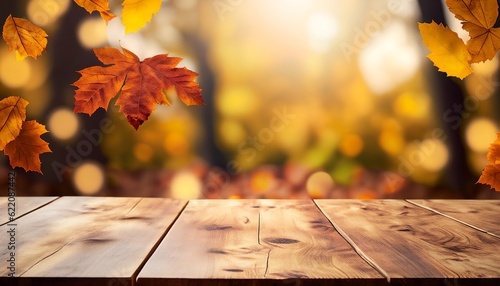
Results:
[23, 206]
[407, 241]
[88, 240]
[303, 244]
[483, 214]
[249, 242]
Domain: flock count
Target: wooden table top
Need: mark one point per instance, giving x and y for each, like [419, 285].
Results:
[158, 241]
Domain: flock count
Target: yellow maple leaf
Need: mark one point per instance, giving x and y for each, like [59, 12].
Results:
[12, 115]
[478, 18]
[136, 13]
[447, 51]
[24, 37]
[25, 150]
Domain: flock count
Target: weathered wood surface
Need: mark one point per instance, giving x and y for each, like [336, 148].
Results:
[23, 205]
[246, 242]
[409, 242]
[128, 241]
[482, 214]
[88, 240]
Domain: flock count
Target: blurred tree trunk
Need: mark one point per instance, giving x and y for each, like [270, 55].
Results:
[449, 108]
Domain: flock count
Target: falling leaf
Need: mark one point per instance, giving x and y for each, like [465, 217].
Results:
[447, 51]
[479, 12]
[478, 18]
[25, 150]
[136, 13]
[24, 37]
[494, 151]
[12, 115]
[100, 6]
[141, 84]
[491, 176]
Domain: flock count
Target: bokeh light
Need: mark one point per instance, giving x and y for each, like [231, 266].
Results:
[231, 132]
[351, 145]
[13, 73]
[391, 138]
[63, 124]
[88, 178]
[437, 157]
[322, 28]
[92, 32]
[390, 58]
[412, 105]
[480, 133]
[46, 12]
[176, 144]
[319, 184]
[238, 101]
[143, 152]
[185, 185]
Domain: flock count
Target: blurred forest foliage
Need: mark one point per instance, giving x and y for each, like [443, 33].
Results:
[323, 99]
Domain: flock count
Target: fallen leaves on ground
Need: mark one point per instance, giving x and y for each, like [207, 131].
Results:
[24, 37]
[140, 84]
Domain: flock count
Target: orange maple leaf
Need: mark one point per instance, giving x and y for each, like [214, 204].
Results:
[101, 6]
[141, 84]
[24, 151]
[12, 115]
[24, 37]
[494, 151]
[491, 176]
[478, 18]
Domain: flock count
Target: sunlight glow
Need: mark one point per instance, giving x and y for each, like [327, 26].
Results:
[390, 59]
[321, 28]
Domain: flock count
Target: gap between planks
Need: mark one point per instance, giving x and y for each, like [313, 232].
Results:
[268, 253]
[155, 246]
[28, 212]
[354, 246]
[452, 218]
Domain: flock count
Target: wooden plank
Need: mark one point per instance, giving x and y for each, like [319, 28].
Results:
[303, 244]
[244, 242]
[88, 240]
[23, 205]
[482, 214]
[211, 239]
[407, 241]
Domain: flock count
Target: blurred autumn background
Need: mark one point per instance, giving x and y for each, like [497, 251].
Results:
[305, 98]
